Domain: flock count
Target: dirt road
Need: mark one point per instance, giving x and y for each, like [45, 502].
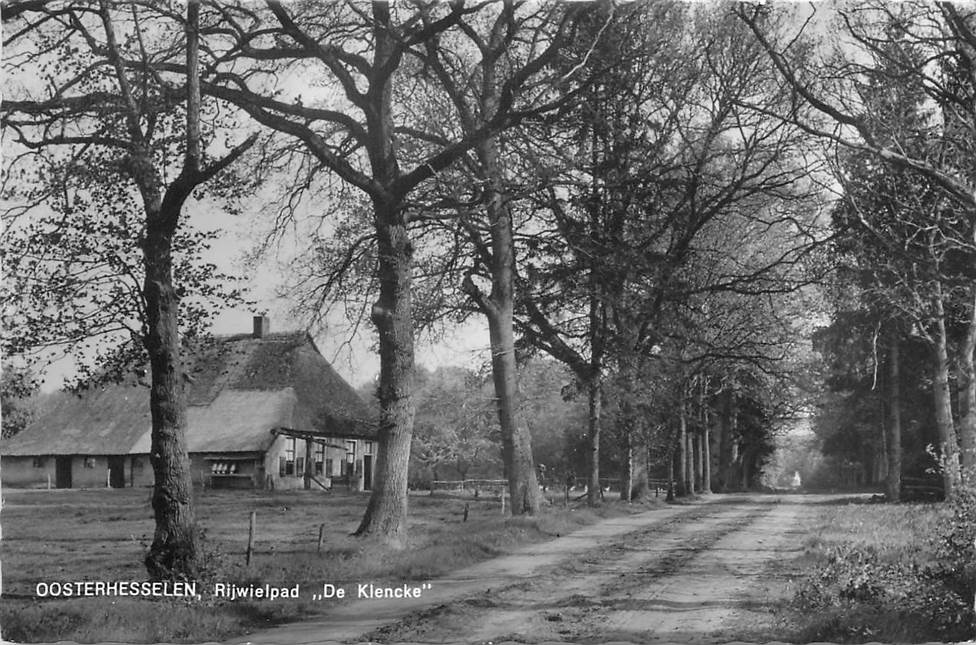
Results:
[702, 573]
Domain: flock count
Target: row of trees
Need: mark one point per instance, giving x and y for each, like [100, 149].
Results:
[457, 435]
[632, 191]
[898, 98]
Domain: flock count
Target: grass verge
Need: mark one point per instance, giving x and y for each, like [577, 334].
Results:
[883, 572]
[73, 536]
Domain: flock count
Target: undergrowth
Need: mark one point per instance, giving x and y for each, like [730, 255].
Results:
[902, 573]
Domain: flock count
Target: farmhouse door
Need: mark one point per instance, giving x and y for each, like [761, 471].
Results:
[367, 472]
[116, 471]
[62, 472]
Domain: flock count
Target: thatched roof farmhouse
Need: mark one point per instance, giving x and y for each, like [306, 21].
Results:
[263, 410]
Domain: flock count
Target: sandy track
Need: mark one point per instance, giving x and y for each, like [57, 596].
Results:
[699, 577]
[696, 573]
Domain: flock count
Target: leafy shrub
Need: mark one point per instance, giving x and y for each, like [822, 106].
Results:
[919, 591]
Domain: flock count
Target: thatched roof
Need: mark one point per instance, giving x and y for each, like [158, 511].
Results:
[238, 389]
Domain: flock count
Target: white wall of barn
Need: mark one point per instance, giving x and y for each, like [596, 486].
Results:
[233, 470]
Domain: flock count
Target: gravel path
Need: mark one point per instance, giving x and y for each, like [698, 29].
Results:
[681, 574]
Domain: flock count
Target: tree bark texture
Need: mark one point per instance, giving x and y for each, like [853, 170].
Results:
[386, 513]
[639, 483]
[727, 444]
[706, 459]
[696, 445]
[499, 308]
[706, 440]
[523, 485]
[392, 314]
[593, 424]
[173, 553]
[683, 488]
[747, 467]
[671, 483]
[627, 485]
[943, 404]
[967, 395]
[893, 427]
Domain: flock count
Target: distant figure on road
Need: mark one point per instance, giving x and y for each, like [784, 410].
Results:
[796, 480]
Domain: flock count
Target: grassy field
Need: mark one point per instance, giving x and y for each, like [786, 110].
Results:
[878, 572]
[102, 535]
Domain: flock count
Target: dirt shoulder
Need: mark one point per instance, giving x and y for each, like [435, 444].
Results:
[691, 573]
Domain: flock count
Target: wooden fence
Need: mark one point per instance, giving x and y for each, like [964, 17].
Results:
[495, 487]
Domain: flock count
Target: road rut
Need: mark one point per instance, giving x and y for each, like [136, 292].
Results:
[693, 573]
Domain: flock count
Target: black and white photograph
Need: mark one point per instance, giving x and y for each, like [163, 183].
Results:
[487, 322]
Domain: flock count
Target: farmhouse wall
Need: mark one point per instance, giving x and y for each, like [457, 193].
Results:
[227, 470]
[138, 471]
[86, 471]
[272, 467]
[89, 472]
[334, 466]
[20, 472]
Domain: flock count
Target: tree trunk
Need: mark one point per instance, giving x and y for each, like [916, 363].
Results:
[727, 444]
[706, 461]
[595, 404]
[689, 457]
[893, 429]
[706, 447]
[386, 513]
[682, 453]
[639, 484]
[697, 445]
[523, 485]
[943, 403]
[745, 469]
[392, 313]
[174, 550]
[627, 485]
[670, 496]
[499, 308]
[967, 396]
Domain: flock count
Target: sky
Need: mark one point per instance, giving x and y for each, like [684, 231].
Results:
[352, 354]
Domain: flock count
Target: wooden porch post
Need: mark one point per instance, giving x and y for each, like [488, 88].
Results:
[308, 463]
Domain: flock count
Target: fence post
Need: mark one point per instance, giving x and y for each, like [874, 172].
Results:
[321, 534]
[250, 539]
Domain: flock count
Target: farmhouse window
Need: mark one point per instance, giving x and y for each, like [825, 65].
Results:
[89, 462]
[39, 462]
[330, 467]
[319, 458]
[300, 467]
[368, 450]
[290, 456]
[281, 466]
